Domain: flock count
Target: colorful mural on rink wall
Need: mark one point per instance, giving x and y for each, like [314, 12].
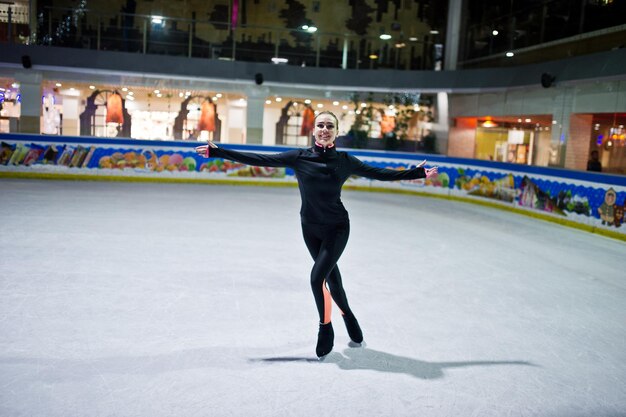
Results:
[588, 198]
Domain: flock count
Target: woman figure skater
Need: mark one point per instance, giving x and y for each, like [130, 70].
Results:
[321, 171]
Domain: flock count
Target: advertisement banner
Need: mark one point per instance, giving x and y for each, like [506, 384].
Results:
[591, 199]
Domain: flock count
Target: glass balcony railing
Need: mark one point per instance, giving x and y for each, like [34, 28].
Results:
[529, 24]
[196, 38]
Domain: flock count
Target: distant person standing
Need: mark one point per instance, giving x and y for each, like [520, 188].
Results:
[594, 163]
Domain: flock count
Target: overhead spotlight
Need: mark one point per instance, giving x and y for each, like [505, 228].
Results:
[495, 32]
[489, 122]
[385, 36]
[278, 60]
[547, 80]
[509, 54]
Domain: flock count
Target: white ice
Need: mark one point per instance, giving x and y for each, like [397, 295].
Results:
[130, 299]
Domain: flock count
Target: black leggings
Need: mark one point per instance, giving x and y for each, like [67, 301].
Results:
[326, 244]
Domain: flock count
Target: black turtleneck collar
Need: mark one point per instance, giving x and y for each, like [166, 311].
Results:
[329, 150]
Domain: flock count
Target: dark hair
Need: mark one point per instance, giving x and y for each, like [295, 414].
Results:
[331, 114]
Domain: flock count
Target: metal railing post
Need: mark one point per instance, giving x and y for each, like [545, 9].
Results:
[50, 24]
[317, 52]
[277, 43]
[98, 34]
[344, 58]
[10, 24]
[145, 35]
[190, 40]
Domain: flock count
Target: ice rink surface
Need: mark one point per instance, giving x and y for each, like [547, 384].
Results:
[130, 299]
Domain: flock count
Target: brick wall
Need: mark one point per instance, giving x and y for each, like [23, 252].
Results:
[577, 147]
[462, 138]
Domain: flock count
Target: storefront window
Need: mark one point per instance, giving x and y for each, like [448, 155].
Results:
[135, 112]
[9, 105]
[608, 140]
[515, 139]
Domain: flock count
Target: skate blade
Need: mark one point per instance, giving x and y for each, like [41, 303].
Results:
[355, 344]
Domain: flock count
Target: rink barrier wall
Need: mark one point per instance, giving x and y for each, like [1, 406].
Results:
[593, 202]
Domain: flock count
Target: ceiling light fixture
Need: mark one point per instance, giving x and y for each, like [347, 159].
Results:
[489, 123]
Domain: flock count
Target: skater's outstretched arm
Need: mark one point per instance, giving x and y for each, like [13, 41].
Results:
[382, 174]
[283, 159]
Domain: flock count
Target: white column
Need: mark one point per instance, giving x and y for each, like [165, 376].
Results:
[442, 127]
[254, 113]
[563, 105]
[453, 34]
[30, 93]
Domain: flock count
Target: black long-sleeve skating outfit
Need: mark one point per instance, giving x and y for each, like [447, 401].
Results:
[321, 172]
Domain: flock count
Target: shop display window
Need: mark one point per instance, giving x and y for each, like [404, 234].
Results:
[515, 139]
[608, 140]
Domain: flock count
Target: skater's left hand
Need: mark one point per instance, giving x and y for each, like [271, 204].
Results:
[430, 172]
[204, 149]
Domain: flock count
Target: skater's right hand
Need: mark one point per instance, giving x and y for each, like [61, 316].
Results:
[204, 149]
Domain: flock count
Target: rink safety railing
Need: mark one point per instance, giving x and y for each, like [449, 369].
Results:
[589, 201]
